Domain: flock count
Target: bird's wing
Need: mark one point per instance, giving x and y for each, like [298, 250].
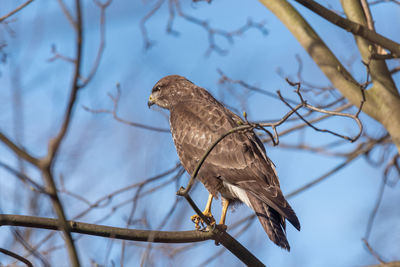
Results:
[239, 159]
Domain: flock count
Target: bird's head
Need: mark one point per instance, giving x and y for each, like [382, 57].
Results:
[170, 90]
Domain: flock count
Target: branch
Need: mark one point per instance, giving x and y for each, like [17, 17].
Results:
[96, 64]
[220, 236]
[15, 10]
[319, 52]
[384, 1]
[373, 253]
[213, 32]
[378, 69]
[360, 150]
[354, 117]
[18, 151]
[115, 100]
[388, 264]
[24, 178]
[46, 163]
[16, 256]
[355, 28]
[105, 200]
[107, 231]
[225, 79]
[389, 112]
[54, 143]
[392, 164]
[147, 42]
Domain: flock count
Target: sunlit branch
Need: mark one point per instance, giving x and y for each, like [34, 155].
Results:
[348, 25]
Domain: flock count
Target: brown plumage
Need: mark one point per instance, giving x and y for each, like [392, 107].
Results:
[238, 167]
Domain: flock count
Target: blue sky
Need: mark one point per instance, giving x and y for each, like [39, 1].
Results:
[100, 154]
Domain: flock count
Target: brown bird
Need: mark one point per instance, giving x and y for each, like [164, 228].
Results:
[237, 168]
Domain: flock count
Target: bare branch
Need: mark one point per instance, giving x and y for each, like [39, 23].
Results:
[373, 253]
[372, 216]
[15, 10]
[360, 150]
[397, 2]
[107, 231]
[355, 28]
[68, 14]
[103, 7]
[23, 177]
[46, 163]
[220, 236]
[57, 55]
[16, 256]
[147, 42]
[18, 151]
[212, 32]
[225, 79]
[115, 100]
[354, 117]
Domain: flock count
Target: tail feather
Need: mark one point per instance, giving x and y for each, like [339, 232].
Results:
[272, 222]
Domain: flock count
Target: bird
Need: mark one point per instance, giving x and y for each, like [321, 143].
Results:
[237, 169]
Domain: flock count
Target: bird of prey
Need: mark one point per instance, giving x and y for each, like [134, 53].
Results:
[237, 168]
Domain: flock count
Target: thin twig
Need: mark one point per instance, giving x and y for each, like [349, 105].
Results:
[68, 14]
[114, 112]
[360, 150]
[96, 64]
[24, 178]
[213, 32]
[156, 7]
[15, 10]
[20, 152]
[16, 256]
[373, 253]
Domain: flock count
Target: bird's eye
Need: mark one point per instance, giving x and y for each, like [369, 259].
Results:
[157, 88]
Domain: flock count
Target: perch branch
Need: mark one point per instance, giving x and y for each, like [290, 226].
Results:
[220, 236]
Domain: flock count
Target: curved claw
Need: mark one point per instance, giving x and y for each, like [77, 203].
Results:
[196, 219]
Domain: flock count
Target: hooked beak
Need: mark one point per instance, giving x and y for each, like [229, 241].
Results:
[151, 101]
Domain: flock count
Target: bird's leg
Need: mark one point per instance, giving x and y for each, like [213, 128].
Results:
[207, 212]
[225, 206]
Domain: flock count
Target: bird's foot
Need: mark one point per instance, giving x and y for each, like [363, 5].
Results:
[200, 223]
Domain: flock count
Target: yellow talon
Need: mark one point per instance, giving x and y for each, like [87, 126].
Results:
[207, 213]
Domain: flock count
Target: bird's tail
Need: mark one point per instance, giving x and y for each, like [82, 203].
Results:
[272, 222]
